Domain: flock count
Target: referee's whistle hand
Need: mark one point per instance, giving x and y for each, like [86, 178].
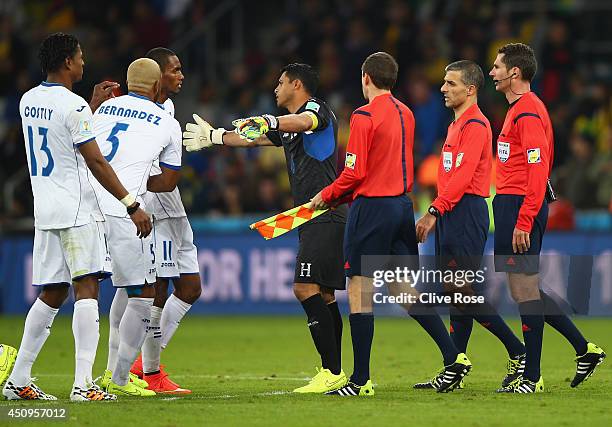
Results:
[424, 227]
[317, 202]
[520, 241]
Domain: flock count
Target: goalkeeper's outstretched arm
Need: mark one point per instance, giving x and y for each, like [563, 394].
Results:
[232, 139]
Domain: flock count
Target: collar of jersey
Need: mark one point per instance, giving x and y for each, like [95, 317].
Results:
[466, 114]
[139, 96]
[47, 84]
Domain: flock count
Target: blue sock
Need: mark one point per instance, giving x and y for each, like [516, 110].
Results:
[555, 317]
[362, 334]
[487, 316]
[460, 329]
[429, 319]
[532, 321]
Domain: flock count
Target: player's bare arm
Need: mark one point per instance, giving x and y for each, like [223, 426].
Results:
[165, 181]
[106, 176]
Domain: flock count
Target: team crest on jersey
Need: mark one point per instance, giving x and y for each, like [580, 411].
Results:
[533, 155]
[447, 160]
[503, 151]
[85, 128]
[350, 160]
[459, 159]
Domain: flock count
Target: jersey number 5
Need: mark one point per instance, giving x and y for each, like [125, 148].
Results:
[112, 138]
[46, 171]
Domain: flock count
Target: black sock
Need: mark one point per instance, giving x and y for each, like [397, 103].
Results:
[429, 319]
[321, 328]
[337, 319]
[555, 317]
[487, 316]
[362, 334]
[460, 329]
[532, 321]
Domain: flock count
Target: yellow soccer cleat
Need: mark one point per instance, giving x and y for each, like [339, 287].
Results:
[8, 355]
[130, 389]
[354, 390]
[105, 380]
[323, 382]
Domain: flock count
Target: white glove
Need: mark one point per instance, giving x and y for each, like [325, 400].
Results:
[201, 135]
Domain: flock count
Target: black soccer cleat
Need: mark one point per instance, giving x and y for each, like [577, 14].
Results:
[450, 378]
[523, 386]
[586, 364]
[515, 368]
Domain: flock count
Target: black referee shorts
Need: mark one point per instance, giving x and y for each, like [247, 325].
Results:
[320, 259]
[505, 211]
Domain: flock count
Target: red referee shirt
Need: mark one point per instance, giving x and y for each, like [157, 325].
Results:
[525, 156]
[379, 158]
[465, 161]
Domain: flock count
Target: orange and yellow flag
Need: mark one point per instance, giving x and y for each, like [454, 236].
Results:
[279, 224]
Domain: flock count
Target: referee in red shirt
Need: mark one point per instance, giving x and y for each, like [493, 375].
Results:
[377, 176]
[460, 214]
[524, 161]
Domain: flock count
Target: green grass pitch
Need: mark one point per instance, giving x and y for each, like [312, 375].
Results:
[242, 369]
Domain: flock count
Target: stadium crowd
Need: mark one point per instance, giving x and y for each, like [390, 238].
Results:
[575, 80]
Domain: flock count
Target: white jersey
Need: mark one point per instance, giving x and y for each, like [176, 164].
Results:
[55, 122]
[166, 205]
[133, 132]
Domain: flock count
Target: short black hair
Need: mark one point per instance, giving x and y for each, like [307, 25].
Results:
[471, 73]
[55, 49]
[521, 56]
[160, 55]
[382, 69]
[304, 73]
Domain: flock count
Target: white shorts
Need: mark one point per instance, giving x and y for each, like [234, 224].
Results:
[132, 257]
[175, 253]
[67, 254]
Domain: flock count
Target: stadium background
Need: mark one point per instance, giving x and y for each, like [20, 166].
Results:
[232, 52]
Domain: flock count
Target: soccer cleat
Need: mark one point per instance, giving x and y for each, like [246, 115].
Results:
[452, 375]
[522, 385]
[105, 380]
[352, 389]
[515, 369]
[8, 355]
[586, 364]
[136, 368]
[434, 383]
[29, 391]
[91, 394]
[130, 389]
[160, 383]
[323, 382]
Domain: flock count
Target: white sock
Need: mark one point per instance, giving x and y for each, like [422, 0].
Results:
[37, 328]
[132, 332]
[173, 313]
[151, 348]
[116, 313]
[86, 330]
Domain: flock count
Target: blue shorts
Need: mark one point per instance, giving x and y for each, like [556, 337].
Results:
[461, 234]
[378, 226]
[505, 211]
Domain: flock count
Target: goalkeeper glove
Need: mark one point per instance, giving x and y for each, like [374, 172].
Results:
[201, 134]
[252, 128]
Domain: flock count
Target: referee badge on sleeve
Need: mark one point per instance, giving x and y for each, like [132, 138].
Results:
[533, 155]
[350, 160]
[459, 159]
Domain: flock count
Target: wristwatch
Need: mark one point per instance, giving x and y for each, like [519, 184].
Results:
[435, 212]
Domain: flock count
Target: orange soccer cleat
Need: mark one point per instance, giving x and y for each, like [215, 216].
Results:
[136, 368]
[160, 383]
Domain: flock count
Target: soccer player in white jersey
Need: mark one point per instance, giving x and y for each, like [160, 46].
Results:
[176, 257]
[133, 131]
[69, 243]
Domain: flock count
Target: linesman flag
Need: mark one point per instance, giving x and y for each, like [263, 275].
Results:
[279, 224]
